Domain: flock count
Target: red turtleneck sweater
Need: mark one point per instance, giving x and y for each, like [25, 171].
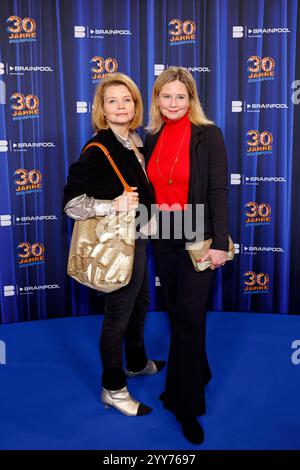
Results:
[173, 142]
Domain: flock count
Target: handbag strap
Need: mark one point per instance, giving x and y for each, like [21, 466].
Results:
[106, 153]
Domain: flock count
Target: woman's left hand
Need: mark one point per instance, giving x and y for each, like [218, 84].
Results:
[217, 257]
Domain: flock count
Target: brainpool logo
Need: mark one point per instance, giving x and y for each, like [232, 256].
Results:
[240, 106]
[236, 248]
[102, 67]
[2, 352]
[5, 220]
[21, 30]
[3, 146]
[22, 69]
[81, 32]
[12, 290]
[244, 31]
[27, 219]
[182, 32]
[24, 107]
[10, 146]
[236, 106]
[82, 107]
[257, 214]
[255, 250]
[235, 178]
[9, 291]
[238, 178]
[256, 283]
[25, 146]
[260, 69]
[159, 68]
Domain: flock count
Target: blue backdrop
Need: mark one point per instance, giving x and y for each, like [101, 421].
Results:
[243, 56]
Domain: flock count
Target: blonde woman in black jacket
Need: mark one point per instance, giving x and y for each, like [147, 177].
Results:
[187, 166]
[93, 188]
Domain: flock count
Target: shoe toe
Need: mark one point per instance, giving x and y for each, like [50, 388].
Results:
[191, 429]
[159, 365]
[152, 367]
[143, 410]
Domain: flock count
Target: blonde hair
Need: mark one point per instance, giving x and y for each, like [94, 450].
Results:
[98, 118]
[196, 113]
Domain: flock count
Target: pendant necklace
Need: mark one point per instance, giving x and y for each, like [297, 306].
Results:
[169, 180]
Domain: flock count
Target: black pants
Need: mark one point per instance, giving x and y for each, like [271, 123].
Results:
[125, 312]
[185, 292]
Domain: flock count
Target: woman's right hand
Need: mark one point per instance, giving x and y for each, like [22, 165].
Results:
[126, 201]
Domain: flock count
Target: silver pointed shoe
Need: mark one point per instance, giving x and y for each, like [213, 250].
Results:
[152, 367]
[123, 401]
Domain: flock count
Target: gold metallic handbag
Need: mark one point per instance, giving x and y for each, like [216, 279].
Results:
[198, 250]
[102, 247]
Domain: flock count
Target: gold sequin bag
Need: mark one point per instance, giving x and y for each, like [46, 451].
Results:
[102, 247]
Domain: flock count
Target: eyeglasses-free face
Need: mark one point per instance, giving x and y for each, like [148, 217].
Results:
[118, 105]
[173, 100]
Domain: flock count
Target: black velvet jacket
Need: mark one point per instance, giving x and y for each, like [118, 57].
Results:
[94, 176]
[208, 179]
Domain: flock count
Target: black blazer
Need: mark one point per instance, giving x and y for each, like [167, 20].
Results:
[94, 176]
[208, 179]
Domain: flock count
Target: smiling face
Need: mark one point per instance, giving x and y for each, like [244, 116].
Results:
[173, 100]
[118, 106]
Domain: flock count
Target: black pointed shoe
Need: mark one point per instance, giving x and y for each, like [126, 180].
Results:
[152, 367]
[191, 429]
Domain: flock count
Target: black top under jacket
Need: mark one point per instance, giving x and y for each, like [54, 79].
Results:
[94, 176]
[208, 179]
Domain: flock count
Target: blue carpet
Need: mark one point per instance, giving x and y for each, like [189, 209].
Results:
[50, 387]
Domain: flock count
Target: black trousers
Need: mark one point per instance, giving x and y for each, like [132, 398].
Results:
[125, 312]
[185, 292]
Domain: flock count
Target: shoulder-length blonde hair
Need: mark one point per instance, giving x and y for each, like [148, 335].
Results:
[196, 113]
[98, 119]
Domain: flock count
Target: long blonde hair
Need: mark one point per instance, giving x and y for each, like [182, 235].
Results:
[98, 118]
[196, 113]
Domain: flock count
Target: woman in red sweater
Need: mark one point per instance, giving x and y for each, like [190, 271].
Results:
[187, 166]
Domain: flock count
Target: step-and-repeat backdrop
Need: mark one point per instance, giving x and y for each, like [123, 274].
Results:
[244, 57]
